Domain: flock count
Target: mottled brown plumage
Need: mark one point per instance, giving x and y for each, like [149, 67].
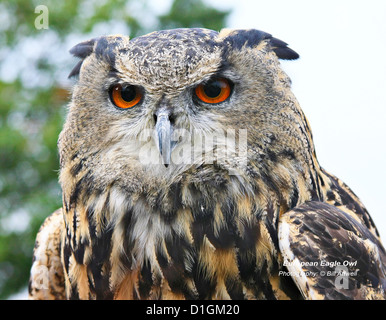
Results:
[147, 216]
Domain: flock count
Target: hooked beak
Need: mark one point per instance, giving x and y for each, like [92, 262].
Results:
[163, 129]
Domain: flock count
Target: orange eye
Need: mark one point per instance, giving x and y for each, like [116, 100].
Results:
[125, 97]
[214, 91]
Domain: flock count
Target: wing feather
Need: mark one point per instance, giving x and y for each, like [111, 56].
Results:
[47, 278]
[330, 255]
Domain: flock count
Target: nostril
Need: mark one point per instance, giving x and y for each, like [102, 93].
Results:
[172, 119]
[164, 115]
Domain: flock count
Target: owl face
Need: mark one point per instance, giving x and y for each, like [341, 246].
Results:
[175, 99]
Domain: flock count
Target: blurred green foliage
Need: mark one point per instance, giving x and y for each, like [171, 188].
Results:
[190, 14]
[33, 94]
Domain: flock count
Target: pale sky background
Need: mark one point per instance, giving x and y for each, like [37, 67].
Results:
[339, 81]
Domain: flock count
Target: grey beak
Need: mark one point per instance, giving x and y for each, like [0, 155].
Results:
[164, 136]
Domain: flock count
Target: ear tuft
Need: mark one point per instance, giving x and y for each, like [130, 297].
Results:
[81, 50]
[236, 39]
[282, 51]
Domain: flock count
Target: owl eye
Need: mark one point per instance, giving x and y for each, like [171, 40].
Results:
[125, 97]
[214, 91]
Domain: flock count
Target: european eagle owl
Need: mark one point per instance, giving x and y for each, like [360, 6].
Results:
[188, 171]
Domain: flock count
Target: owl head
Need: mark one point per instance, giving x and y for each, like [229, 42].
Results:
[165, 102]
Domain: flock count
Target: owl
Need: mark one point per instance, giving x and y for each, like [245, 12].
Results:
[188, 171]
